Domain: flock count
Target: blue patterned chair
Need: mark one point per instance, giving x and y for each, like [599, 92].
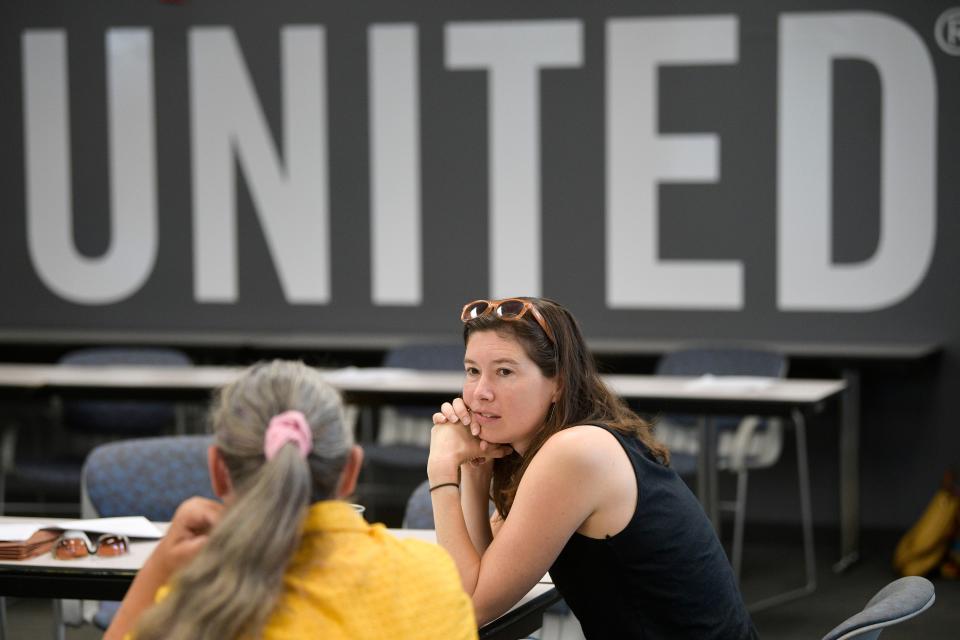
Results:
[145, 477]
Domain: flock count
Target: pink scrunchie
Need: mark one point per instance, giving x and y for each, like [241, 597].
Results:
[289, 426]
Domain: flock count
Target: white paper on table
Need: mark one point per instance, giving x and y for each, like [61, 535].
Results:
[367, 375]
[731, 384]
[130, 526]
[18, 532]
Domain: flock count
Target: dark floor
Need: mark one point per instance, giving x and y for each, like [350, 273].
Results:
[772, 562]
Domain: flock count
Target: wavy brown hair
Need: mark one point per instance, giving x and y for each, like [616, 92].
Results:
[584, 398]
[231, 588]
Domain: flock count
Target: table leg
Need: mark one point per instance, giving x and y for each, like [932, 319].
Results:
[707, 469]
[714, 489]
[849, 472]
[59, 633]
[368, 423]
[806, 517]
[702, 460]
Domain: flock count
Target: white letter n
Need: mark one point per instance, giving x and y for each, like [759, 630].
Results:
[290, 198]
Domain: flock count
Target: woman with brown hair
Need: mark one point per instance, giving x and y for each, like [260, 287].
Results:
[284, 556]
[581, 487]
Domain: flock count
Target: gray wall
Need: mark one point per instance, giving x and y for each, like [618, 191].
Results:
[351, 173]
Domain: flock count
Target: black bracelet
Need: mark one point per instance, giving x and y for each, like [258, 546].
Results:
[445, 484]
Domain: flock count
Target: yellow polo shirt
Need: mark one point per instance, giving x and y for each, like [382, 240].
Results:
[350, 579]
[353, 580]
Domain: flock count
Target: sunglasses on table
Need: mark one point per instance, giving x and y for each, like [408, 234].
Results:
[73, 545]
[506, 309]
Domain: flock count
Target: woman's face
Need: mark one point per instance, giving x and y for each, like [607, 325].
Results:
[506, 391]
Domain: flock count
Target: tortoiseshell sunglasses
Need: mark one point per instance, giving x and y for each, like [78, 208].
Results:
[506, 309]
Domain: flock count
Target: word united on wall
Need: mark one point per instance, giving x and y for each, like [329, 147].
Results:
[288, 180]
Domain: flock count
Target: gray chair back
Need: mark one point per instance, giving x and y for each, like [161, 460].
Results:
[720, 361]
[898, 601]
[419, 511]
[723, 361]
[424, 357]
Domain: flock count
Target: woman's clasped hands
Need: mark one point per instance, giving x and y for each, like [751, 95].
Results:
[457, 438]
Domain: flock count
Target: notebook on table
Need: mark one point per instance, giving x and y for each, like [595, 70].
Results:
[22, 540]
[40, 542]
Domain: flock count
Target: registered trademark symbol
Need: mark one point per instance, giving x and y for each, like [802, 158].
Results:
[947, 31]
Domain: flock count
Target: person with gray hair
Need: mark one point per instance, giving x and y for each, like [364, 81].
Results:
[284, 556]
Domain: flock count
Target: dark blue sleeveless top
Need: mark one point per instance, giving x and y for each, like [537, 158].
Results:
[664, 576]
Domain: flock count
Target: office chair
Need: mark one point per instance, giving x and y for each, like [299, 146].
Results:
[397, 460]
[82, 424]
[418, 513]
[743, 444]
[898, 601]
[146, 477]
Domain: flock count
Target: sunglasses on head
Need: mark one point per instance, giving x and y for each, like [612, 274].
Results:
[75, 544]
[506, 309]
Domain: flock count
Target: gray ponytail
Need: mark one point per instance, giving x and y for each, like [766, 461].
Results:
[231, 587]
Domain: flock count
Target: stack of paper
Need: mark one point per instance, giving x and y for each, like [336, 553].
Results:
[730, 384]
[21, 540]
